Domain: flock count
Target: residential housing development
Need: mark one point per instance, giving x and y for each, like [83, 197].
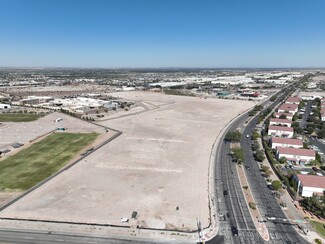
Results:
[282, 122]
[293, 100]
[296, 155]
[286, 142]
[288, 108]
[308, 185]
[287, 115]
[280, 131]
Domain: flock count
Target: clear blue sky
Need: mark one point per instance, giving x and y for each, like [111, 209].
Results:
[162, 33]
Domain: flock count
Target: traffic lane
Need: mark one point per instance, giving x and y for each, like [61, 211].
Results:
[223, 185]
[238, 213]
[268, 206]
[234, 199]
[263, 196]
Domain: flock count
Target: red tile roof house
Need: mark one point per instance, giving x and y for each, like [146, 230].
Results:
[288, 108]
[308, 185]
[295, 155]
[322, 110]
[285, 142]
[293, 100]
[288, 115]
[283, 122]
[280, 131]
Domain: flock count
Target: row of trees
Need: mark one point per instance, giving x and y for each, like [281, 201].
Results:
[315, 204]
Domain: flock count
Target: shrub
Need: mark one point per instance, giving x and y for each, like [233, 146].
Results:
[318, 241]
[252, 205]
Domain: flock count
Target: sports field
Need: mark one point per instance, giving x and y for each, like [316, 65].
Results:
[19, 117]
[37, 162]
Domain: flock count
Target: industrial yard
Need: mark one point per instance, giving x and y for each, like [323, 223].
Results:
[158, 167]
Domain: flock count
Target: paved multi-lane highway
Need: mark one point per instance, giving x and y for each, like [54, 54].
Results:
[233, 205]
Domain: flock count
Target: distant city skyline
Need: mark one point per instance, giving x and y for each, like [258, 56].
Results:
[162, 34]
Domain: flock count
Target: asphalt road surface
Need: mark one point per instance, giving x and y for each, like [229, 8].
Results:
[264, 198]
[42, 237]
[232, 209]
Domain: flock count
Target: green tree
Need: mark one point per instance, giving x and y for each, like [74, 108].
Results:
[319, 159]
[260, 118]
[255, 135]
[255, 146]
[282, 116]
[277, 184]
[321, 133]
[283, 160]
[264, 168]
[258, 107]
[273, 98]
[299, 130]
[305, 145]
[309, 130]
[233, 136]
[251, 113]
[259, 155]
[238, 154]
[294, 117]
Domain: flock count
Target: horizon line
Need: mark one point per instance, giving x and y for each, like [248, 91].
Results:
[153, 68]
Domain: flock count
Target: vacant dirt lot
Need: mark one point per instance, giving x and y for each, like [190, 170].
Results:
[158, 165]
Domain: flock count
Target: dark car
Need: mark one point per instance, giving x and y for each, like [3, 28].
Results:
[234, 230]
[315, 169]
[271, 187]
[225, 193]
[247, 167]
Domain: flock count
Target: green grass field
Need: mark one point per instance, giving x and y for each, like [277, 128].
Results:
[37, 162]
[19, 117]
[319, 227]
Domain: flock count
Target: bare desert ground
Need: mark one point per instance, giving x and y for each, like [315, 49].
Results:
[157, 167]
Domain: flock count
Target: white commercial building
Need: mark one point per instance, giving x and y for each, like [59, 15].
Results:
[308, 185]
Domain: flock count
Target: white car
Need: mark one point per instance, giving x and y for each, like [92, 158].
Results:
[247, 136]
